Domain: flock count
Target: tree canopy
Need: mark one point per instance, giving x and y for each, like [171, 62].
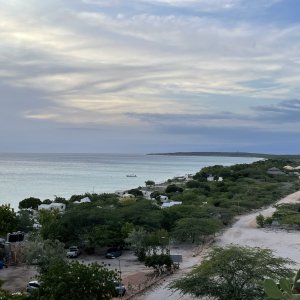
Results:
[235, 273]
[73, 280]
[43, 253]
[30, 202]
[8, 219]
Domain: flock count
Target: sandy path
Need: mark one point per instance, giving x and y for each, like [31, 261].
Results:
[244, 233]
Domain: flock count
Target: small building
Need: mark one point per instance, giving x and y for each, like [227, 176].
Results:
[147, 194]
[170, 204]
[275, 171]
[210, 178]
[121, 192]
[59, 206]
[83, 200]
[44, 206]
[163, 198]
[220, 178]
[37, 226]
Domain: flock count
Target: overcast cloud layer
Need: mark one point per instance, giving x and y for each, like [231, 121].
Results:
[149, 75]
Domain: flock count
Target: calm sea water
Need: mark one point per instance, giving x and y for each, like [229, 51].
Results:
[48, 175]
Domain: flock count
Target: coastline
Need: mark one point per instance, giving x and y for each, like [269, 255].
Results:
[230, 154]
[44, 177]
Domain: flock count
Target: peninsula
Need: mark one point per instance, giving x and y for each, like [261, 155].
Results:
[230, 154]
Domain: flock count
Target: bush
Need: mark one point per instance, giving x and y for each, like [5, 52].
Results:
[173, 188]
[260, 220]
[159, 262]
[192, 184]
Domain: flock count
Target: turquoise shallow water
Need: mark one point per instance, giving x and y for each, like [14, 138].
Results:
[46, 175]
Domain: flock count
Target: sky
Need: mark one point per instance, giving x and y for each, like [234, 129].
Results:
[140, 76]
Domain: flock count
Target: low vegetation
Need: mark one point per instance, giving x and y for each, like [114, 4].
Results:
[73, 280]
[206, 207]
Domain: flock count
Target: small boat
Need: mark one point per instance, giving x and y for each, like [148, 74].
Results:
[131, 175]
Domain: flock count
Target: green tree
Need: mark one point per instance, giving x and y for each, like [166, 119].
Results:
[49, 222]
[72, 280]
[159, 262]
[8, 219]
[192, 184]
[173, 188]
[149, 183]
[46, 201]
[235, 273]
[195, 229]
[58, 199]
[43, 253]
[260, 220]
[136, 192]
[24, 221]
[126, 229]
[156, 242]
[155, 195]
[136, 238]
[30, 202]
[105, 235]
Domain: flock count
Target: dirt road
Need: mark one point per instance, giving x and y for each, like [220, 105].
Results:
[244, 233]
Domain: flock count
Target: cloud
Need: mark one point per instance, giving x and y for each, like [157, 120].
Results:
[201, 5]
[285, 112]
[281, 117]
[160, 65]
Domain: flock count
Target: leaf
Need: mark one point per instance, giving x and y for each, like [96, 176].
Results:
[272, 289]
[285, 285]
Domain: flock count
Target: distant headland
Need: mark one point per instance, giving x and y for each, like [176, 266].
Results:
[231, 154]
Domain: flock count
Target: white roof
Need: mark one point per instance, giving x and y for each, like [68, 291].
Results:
[85, 200]
[44, 206]
[55, 204]
[127, 195]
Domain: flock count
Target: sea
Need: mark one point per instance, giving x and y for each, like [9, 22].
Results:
[46, 176]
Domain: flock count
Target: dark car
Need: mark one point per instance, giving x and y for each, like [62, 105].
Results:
[120, 289]
[113, 253]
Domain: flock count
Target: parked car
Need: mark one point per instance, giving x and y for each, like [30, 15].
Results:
[120, 289]
[73, 252]
[113, 252]
[32, 286]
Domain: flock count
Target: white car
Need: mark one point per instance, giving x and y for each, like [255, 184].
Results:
[73, 252]
[32, 285]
